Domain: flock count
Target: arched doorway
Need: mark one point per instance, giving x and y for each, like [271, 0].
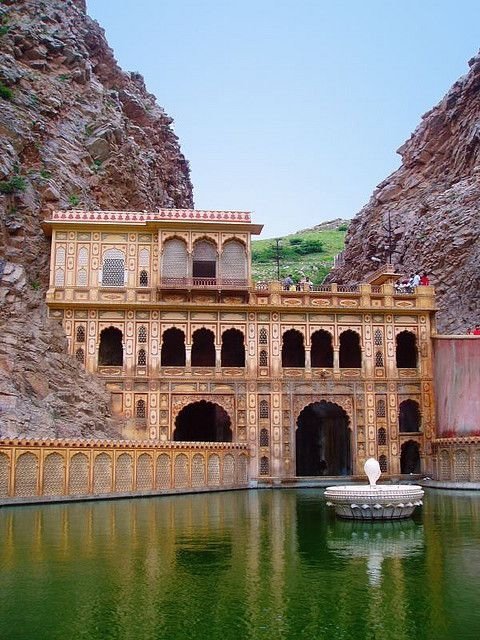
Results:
[110, 352]
[233, 349]
[202, 422]
[323, 441]
[293, 349]
[410, 457]
[350, 354]
[406, 350]
[173, 348]
[203, 348]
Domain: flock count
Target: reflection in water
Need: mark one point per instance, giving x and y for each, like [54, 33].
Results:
[255, 565]
[375, 541]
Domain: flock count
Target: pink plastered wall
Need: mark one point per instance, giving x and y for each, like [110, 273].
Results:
[457, 385]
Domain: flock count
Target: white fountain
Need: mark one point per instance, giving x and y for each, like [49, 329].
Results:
[372, 501]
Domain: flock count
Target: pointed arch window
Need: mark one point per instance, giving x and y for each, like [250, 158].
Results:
[82, 264]
[263, 439]
[382, 437]
[141, 409]
[263, 411]
[80, 355]
[80, 335]
[233, 262]
[263, 358]
[60, 267]
[204, 259]
[142, 358]
[350, 352]
[175, 260]
[142, 333]
[263, 336]
[379, 359]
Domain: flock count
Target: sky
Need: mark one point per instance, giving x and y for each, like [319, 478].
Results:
[292, 109]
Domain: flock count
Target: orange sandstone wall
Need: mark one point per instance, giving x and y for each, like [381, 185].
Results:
[457, 385]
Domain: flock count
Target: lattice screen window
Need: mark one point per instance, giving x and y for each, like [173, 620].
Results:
[80, 337]
[144, 258]
[377, 338]
[60, 267]
[174, 259]
[379, 359]
[264, 466]
[141, 409]
[142, 358]
[263, 409]
[381, 408]
[263, 336]
[143, 278]
[263, 359]
[82, 264]
[382, 436]
[204, 260]
[80, 355]
[142, 334]
[233, 261]
[113, 272]
[263, 438]
[382, 461]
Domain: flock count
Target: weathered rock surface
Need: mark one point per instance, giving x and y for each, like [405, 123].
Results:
[75, 131]
[433, 201]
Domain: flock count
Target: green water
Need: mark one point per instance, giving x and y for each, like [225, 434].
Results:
[257, 565]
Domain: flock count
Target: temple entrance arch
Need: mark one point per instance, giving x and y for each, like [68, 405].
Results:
[203, 421]
[323, 446]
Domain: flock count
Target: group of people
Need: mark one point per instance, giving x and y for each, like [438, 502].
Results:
[303, 284]
[407, 285]
[475, 331]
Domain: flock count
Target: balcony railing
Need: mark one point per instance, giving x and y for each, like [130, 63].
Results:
[204, 283]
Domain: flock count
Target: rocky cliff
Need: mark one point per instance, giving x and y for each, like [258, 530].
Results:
[433, 202]
[75, 131]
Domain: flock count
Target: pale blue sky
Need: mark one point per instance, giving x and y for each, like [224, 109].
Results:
[292, 109]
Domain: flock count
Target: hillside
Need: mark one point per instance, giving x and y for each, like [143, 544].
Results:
[309, 252]
[75, 131]
[433, 202]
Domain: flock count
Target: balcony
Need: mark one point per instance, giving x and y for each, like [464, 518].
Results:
[215, 284]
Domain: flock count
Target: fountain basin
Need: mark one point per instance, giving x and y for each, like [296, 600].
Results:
[374, 502]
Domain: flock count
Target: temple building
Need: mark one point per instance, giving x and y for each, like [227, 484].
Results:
[314, 380]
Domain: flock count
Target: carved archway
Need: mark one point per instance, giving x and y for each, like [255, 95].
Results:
[203, 421]
[227, 402]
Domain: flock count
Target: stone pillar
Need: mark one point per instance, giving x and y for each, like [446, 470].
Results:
[336, 359]
[188, 356]
[308, 359]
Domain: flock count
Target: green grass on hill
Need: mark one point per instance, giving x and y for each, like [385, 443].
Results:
[306, 253]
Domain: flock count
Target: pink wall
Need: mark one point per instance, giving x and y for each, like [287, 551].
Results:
[457, 385]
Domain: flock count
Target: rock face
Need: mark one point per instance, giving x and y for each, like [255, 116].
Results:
[75, 132]
[433, 201]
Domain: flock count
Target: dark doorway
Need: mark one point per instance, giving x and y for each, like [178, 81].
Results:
[203, 348]
[410, 457]
[407, 352]
[350, 351]
[233, 349]
[202, 422]
[322, 350]
[173, 348]
[409, 418]
[110, 352]
[323, 441]
[293, 349]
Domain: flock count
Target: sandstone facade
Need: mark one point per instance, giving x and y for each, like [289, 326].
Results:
[75, 130]
[432, 200]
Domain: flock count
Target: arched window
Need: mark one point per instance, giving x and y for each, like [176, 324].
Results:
[379, 359]
[143, 280]
[382, 461]
[173, 348]
[142, 358]
[140, 409]
[381, 408]
[378, 338]
[80, 337]
[264, 466]
[82, 264]
[233, 349]
[409, 417]
[406, 352]
[80, 355]
[113, 270]
[293, 349]
[350, 351]
[142, 333]
[204, 261]
[203, 348]
[263, 409]
[110, 352]
[322, 349]
[263, 358]
[144, 258]
[382, 436]
[263, 437]
[263, 336]
[174, 260]
[233, 262]
[410, 461]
